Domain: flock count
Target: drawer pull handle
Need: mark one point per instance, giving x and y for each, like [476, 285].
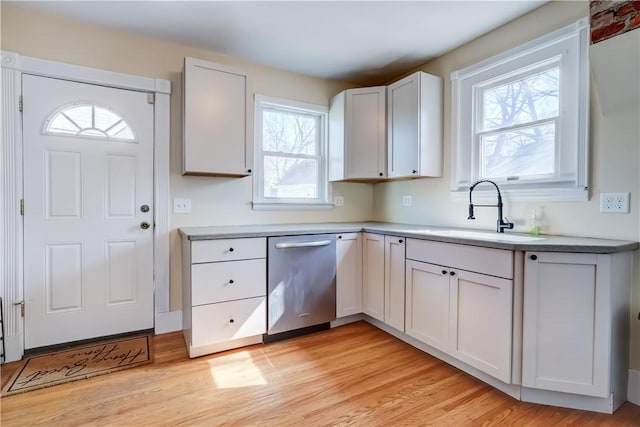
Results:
[400, 241]
[534, 257]
[453, 273]
[304, 314]
[231, 281]
[444, 271]
[303, 244]
[230, 249]
[339, 237]
[231, 320]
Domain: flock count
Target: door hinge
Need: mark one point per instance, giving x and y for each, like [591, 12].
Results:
[21, 304]
[151, 98]
[20, 104]
[22, 207]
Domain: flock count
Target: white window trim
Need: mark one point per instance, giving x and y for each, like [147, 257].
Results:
[577, 192]
[259, 202]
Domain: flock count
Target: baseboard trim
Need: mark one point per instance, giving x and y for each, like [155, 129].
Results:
[633, 393]
[347, 319]
[170, 321]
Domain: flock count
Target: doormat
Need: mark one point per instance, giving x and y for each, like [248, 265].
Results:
[78, 363]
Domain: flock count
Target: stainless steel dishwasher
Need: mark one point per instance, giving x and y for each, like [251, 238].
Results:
[302, 282]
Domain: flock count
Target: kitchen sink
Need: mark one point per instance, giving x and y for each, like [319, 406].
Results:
[481, 235]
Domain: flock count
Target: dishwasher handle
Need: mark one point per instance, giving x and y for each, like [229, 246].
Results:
[314, 244]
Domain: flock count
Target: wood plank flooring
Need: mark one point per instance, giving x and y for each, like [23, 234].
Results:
[351, 375]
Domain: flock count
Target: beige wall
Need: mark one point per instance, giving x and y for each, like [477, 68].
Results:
[215, 201]
[615, 159]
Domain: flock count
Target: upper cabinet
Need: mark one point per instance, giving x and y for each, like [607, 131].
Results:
[414, 117]
[384, 132]
[357, 135]
[216, 120]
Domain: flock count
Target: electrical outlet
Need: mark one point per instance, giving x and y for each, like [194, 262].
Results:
[614, 202]
[181, 205]
[338, 201]
[407, 201]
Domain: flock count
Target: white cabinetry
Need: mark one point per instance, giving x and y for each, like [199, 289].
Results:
[217, 136]
[357, 134]
[575, 323]
[460, 301]
[414, 117]
[224, 293]
[373, 275]
[394, 259]
[349, 274]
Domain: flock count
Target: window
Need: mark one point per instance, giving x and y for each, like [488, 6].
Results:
[521, 119]
[88, 120]
[290, 155]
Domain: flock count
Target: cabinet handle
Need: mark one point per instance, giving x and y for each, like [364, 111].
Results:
[248, 170]
[400, 241]
[534, 257]
[230, 249]
[381, 174]
[444, 271]
[414, 171]
[453, 273]
[231, 281]
[339, 237]
[231, 320]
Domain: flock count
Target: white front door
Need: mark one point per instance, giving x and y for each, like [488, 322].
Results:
[88, 193]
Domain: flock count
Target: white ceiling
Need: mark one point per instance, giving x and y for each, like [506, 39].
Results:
[365, 42]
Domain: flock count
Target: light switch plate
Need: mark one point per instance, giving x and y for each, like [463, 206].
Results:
[181, 205]
[614, 202]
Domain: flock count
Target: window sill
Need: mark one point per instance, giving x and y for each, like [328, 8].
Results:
[524, 195]
[267, 206]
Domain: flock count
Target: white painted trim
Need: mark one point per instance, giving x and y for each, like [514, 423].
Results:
[604, 405]
[340, 321]
[265, 206]
[633, 393]
[170, 321]
[11, 177]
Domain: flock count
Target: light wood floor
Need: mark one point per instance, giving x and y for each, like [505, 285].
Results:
[352, 375]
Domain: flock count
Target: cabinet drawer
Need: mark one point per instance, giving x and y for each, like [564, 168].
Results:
[228, 249]
[226, 281]
[494, 262]
[226, 321]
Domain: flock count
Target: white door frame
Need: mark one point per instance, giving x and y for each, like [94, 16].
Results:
[13, 66]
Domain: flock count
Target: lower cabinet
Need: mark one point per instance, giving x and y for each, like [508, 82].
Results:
[465, 314]
[223, 294]
[575, 323]
[348, 274]
[373, 275]
[394, 287]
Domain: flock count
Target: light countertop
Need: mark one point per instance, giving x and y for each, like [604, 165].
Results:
[474, 237]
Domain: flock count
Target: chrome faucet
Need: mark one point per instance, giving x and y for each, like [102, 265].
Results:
[502, 223]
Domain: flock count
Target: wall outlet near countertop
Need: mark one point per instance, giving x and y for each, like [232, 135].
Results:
[181, 205]
[614, 202]
[338, 201]
[407, 201]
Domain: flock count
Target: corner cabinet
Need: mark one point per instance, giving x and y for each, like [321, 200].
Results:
[348, 274]
[414, 120]
[575, 323]
[224, 286]
[357, 135]
[216, 120]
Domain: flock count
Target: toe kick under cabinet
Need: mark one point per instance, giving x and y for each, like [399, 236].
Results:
[224, 293]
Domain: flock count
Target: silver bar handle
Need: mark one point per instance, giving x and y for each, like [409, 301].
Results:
[303, 244]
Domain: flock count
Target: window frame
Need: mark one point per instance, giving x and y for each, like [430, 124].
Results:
[322, 201]
[567, 47]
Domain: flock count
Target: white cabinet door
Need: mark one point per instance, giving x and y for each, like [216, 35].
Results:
[216, 120]
[427, 307]
[357, 134]
[373, 275]
[414, 116]
[566, 329]
[349, 274]
[394, 258]
[480, 322]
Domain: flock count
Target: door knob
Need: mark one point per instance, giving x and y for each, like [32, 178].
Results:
[144, 225]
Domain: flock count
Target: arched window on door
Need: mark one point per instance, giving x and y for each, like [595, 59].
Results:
[89, 121]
